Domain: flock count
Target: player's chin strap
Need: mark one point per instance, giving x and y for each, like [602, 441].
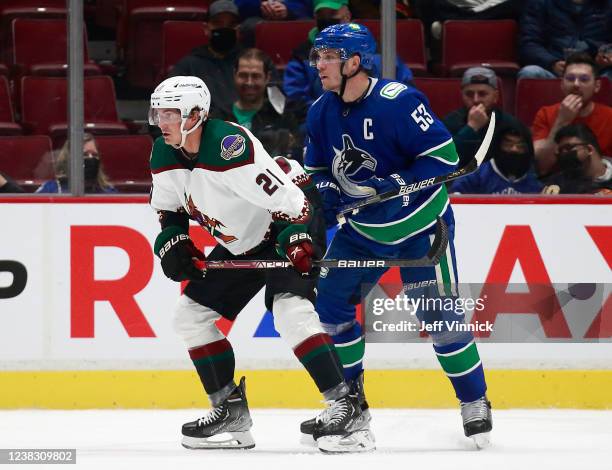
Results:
[345, 79]
[184, 133]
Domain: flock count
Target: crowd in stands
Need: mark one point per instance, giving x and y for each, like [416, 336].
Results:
[483, 56]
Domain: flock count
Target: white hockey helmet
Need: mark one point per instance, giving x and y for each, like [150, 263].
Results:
[184, 94]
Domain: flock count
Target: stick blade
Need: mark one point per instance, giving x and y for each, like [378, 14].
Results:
[440, 243]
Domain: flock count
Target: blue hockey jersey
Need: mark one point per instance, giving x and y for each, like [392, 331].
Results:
[391, 129]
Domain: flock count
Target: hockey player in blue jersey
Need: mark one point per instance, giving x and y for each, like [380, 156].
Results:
[369, 136]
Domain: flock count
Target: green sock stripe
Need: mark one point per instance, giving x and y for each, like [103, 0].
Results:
[352, 353]
[446, 277]
[324, 348]
[214, 358]
[461, 362]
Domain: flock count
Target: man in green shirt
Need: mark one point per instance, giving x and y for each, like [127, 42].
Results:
[267, 121]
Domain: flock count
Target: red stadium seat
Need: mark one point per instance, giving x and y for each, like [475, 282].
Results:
[410, 42]
[22, 157]
[140, 34]
[492, 43]
[444, 94]
[11, 9]
[126, 161]
[279, 38]
[44, 106]
[179, 38]
[107, 13]
[32, 59]
[533, 93]
[8, 126]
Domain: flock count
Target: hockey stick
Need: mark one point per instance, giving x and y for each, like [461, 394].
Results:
[468, 168]
[437, 250]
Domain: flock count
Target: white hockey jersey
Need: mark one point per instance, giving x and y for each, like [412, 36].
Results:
[234, 189]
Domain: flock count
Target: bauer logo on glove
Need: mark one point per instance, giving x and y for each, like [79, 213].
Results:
[295, 244]
[180, 259]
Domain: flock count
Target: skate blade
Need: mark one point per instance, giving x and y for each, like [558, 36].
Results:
[358, 441]
[225, 440]
[482, 440]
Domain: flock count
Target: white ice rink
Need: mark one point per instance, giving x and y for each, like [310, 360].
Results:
[406, 439]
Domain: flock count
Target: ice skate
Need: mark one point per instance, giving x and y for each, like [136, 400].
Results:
[343, 428]
[356, 387]
[477, 421]
[224, 427]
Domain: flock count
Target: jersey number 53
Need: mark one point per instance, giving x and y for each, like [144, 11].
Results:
[422, 117]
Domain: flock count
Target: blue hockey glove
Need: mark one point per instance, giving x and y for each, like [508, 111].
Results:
[330, 195]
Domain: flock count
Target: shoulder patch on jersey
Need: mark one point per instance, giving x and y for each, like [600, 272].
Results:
[224, 146]
[163, 157]
[392, 90]
[232, 146]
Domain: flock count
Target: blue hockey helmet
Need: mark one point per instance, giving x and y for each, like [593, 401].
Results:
[348, 39]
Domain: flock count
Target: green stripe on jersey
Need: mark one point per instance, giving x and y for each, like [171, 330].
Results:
[315, 169]
[461, 362]
[447, 153]
[395, 232]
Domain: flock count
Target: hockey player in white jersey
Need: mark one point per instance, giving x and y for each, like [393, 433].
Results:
[218, 174]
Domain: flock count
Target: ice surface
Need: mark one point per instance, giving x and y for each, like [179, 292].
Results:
[406, 439]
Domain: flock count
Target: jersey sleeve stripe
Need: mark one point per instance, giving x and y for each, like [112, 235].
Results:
[315, 169]
[161, 169]
[445, 152]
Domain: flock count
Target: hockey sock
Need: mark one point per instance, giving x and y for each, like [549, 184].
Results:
[319, 357]
[350, 345]
[215, 365]
[461, 363]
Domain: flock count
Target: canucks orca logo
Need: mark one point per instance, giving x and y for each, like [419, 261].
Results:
[351, 166]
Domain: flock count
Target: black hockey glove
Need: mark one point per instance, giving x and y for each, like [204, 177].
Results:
[180, 259]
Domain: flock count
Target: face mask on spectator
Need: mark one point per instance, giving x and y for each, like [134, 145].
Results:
[91, 165]
[223, 39]
[512, 164]
[570, 164]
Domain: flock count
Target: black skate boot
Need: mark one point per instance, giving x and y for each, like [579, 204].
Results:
[343, 428]
[356, 388]
[224, 427]
[477, 421]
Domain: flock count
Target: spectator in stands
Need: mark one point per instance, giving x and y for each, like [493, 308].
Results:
[275, 10]
[604, 60]
[8, 185]
[468, 125]
[551, 30]
[253, 110]
[301, 82]
[582, 168]
[96, 180]
[214, 62]
[256, 11]
[580, 82]
[510, 169]
[434, 12]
